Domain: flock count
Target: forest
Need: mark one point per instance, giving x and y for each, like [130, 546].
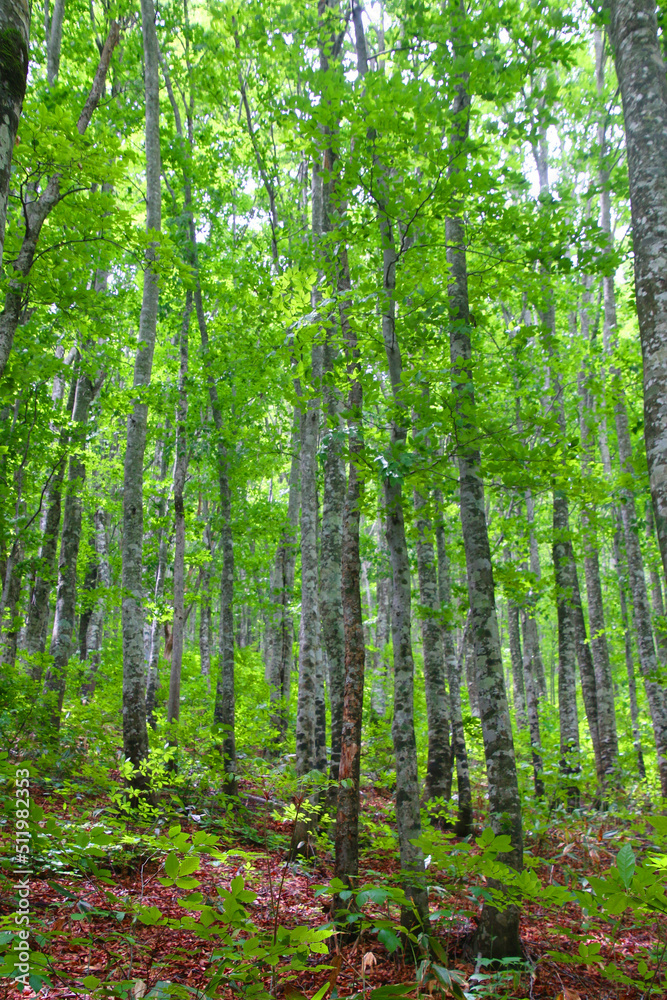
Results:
[333, 499]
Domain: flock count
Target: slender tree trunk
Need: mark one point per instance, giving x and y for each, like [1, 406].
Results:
[640, 70]
[63, 625]
[14, 41]
[536, 570]
[497, 934]
[454, 668]
[567, 648]
[55, 42]
[180, 472]
[95, 632]
[380, 679]
[153, 678]
[439, 764]
[38, 612]
[224, 712]
[530, 645]
[604, 690]
[205, 636]
[309, 631]
[11, 625]
[135, 734]
[627, 643]
[331, 606]
[282, 624]
[514, 632]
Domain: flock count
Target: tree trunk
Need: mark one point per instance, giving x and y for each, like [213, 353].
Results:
[438, 783]
[180, 472]
[536, 571]
[205, 637]
[38, 612]
[14, 41]
[380, 679]
[55, 42]
[63, 625]
[454, 668]
[95, 632]
[530, 645]
[604, 690]
[497, 934]
[309, 630]
[153, 678]
[282, 624]
[517, 663]
[135, 734]
[331, 606]
[563, 559]
[640, 69]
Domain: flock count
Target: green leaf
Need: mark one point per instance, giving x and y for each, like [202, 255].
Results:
[171, 865]
[391, 941]
[625, 863]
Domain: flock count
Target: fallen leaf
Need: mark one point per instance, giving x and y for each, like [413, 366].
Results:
[368, 961]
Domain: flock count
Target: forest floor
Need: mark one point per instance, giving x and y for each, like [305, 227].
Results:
[87, 935]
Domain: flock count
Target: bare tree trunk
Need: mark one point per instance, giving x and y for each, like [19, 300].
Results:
[530, 644]
[135, 734]
[205, 636]
[331, 606]
[380, 679]
[180, 472]
[514, 632]
[55, 42]
[497, 933]
[454, 668]
[438, 783]
[604, 690]
[347, 815]
[640, 70]
[536, 570]
[309, 631]
[14, 41]
[282, 624]
[63, 625]
[38, 612]
[153, 676]
[95, 631]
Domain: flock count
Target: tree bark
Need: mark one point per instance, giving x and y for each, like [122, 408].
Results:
[530, 645]
[55, 42]
[153, 677]
[438, 783]
[454, 668]
[497, 933]
[604, 689]
[331, 602]
[347, 815]
[380, 679]
[180, 472]
[95, 630]
[640, 69]
[135, 734]
[282, 624]
[516, 658]
[14, 42]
